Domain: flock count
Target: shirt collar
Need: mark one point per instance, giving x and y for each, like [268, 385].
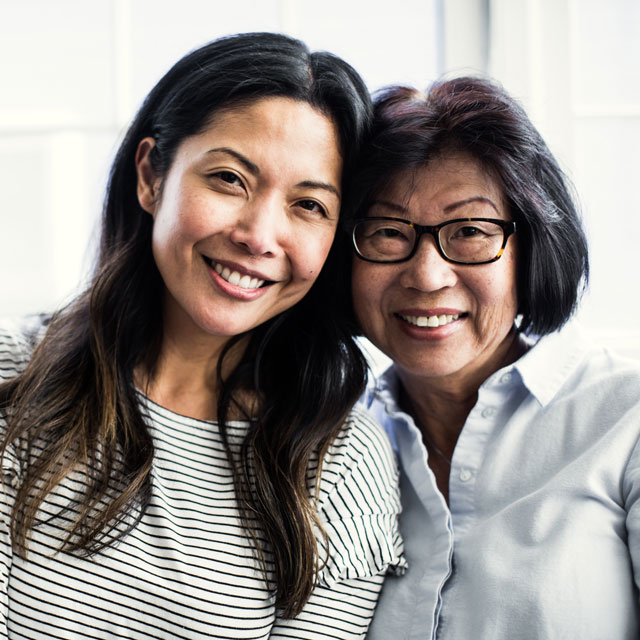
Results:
[544, 369]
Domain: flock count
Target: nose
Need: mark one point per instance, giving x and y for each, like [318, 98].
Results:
[259, 226]
[427, 270]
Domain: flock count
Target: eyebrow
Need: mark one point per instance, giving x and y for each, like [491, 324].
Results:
[251, 166]
[391, 205]
[450, 207]
[311, 184]
[462, 203]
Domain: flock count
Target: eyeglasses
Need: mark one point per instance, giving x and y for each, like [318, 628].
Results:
[461, 241]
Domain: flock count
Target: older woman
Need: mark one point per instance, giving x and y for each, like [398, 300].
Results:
[518, 439]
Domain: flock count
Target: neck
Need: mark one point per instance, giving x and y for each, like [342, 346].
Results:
[439, 414]
[184, 378]
[441, 405]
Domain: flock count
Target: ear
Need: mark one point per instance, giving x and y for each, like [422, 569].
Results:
[148, 183]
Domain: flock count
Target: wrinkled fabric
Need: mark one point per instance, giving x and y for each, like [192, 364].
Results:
[542, 536]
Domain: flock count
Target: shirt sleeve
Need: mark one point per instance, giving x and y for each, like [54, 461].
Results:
[359, 505]
[8, 483]
[15, 351]
[9, 477]
[631, 485]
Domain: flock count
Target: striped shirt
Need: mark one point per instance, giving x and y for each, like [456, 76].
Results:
[188, 569]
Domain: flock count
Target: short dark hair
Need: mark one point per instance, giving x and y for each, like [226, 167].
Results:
[476, 116]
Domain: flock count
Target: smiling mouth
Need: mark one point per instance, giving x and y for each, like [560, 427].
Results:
[236, 278]
[431, 321]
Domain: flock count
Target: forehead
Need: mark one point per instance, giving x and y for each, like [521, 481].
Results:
[445, 181]
[275, 117]
[288, 137]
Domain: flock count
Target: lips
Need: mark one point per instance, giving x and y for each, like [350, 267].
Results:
[236, 278]
[430, 320]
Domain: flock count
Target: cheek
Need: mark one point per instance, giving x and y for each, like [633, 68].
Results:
[365, 288]
[167, 243]
[497, 298]
[190, 210]
[311, 251]
[356, 286]
[510, 293]
[194, 216]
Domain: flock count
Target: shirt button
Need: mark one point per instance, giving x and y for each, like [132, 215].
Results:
[487, 412]
[465, 475]
[506, 378]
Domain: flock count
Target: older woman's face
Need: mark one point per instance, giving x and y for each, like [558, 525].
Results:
[468, 310]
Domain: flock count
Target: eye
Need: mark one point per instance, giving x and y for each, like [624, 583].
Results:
[384, 230]
[468, 232]
[228, 177]
[475, 230]
[313, 206]
[389, 232]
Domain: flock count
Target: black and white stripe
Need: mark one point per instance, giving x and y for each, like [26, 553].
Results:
[188, 569]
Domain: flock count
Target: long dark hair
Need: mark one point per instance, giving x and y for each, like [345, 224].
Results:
[77, 400]
[476, 116]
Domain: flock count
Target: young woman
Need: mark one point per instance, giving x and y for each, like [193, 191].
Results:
[178, 456]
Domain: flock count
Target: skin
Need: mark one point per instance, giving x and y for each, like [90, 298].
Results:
[441, 368]
[256, 193]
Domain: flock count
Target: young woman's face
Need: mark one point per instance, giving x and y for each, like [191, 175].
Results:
[438, 320]
[245, 217]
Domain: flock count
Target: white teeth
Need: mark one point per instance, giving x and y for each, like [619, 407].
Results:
[233, 277]
[431, 321]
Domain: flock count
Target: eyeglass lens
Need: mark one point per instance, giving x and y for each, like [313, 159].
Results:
[463, 240]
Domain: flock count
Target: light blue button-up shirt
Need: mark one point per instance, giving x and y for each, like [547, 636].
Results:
[542, 535]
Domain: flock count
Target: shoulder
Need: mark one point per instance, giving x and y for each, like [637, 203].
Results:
[360, 442]
[359, 472]
[569, 366]
[603, 375]
[603, 362]
[361, 429]
[359, 504]
[18, 338]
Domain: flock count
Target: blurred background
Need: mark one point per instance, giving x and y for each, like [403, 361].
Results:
[74, 71]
